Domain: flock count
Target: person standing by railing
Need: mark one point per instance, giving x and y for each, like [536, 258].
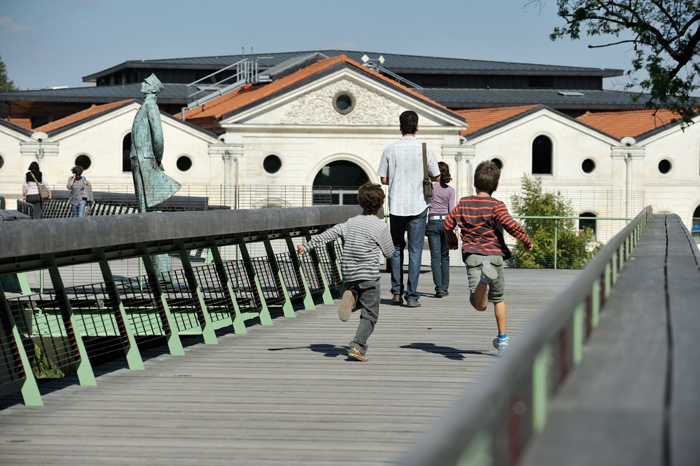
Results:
[80, 192]
[483, 247]
[442, 203]
[30, 189]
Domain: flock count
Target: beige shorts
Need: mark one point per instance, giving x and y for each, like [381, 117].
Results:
[496, 288]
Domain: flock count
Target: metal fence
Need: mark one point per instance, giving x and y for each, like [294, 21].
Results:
[105, 300]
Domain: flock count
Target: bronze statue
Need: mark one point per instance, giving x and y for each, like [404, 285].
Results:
[151, 184]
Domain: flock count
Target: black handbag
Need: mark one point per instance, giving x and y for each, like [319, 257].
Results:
[427, 183]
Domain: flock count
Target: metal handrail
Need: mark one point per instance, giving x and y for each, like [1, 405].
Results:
[516, 386]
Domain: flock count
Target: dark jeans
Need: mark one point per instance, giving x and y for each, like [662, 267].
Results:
[367, 301]
[35, 199]
[439, 254]
[415, 226]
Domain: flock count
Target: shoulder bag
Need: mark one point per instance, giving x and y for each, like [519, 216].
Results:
[43, 190]
[427, 184]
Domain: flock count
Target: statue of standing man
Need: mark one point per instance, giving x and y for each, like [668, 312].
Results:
[151, 184]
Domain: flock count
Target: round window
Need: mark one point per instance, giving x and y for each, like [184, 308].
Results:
[498, 162]
[272, 164]
[184, 163]
[83, 161]
[588, 166]
[344, 102]
[665, 166]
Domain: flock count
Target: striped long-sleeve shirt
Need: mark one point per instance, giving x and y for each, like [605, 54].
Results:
[479, 219]
[365, 236]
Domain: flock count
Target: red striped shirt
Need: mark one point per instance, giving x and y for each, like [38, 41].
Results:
[481, 220]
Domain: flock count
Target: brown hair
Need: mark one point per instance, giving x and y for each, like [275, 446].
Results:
[445, 176]
[486, 177]
[370, 197]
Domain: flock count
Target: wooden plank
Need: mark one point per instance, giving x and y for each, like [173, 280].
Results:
[282, 394]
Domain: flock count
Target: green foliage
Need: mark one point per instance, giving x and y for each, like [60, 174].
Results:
[574, 250]
[5, 84]
[664, 36]
[43, 367]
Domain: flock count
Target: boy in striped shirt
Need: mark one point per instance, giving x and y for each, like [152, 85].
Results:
[365, 236]
[481, 219]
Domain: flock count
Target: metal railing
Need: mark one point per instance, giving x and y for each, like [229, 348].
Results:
[68, 327]
[494, 420]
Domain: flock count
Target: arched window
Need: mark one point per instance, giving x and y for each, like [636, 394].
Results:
[695, 227]
[588, 223]
[337, 183]
[126, 153]
[542, 156]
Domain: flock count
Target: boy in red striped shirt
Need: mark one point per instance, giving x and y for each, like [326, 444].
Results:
[481, 219]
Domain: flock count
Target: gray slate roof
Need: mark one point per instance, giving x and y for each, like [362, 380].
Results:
[172, 94]
[487, 98]
[451, 98]
[398, 63]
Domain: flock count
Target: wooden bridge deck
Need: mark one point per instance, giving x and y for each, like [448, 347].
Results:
[283, 394]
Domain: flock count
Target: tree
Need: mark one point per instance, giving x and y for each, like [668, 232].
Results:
[664, 35]
[5, 84]
[573, 250]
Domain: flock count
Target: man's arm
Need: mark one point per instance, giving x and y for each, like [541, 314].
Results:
[383, 170]
[502, 217]
[433, 169]
[156, 132]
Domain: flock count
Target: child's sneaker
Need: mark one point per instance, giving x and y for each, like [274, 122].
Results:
[357, 355]
[500, 344]
[488, 273]
[347, 304]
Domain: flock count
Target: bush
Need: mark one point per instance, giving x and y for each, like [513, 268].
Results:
[574, 250]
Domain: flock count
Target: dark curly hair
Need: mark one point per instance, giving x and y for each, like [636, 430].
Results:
[370, 197]
[408, 121]
[486, 177]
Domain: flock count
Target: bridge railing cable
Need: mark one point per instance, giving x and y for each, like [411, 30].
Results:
[494, 420]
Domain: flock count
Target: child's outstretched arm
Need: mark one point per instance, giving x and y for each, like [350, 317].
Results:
[502, 217]
[325, 237]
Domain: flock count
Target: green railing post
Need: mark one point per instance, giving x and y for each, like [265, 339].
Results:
[83, 367]
[236, 319]
[204, 318]
[595, 302]
[30, 388]
[556, 227]
[287, 308]
[327, 297]
[577, 339]
[166, 318]
[133, 355]
[264, 313]
[540, 373]
[308, 299]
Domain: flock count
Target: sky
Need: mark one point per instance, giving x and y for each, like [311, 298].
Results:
[47, 43]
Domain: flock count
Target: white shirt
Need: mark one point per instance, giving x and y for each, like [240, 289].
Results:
[402, 163]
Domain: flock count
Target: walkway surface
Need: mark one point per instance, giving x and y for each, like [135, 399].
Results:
[283, 394]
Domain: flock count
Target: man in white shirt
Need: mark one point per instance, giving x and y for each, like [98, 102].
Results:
[401, 168]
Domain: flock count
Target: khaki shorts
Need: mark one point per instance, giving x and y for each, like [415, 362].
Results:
[496, 288]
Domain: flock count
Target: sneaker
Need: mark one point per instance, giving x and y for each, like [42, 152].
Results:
[347, 304]
[396, 300]
[441, 294]
[357, 355]
[500, 345]
[488, 273]
[412, 304]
